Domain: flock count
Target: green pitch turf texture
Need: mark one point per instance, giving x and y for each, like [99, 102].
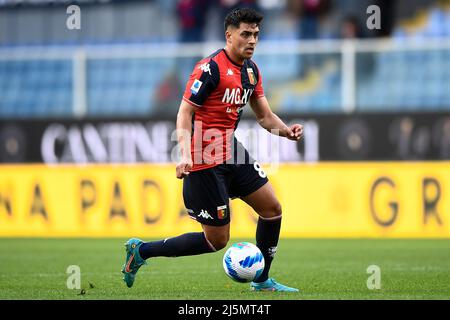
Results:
[321, 268]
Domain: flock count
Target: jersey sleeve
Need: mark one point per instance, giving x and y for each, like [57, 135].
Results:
[203, 80]
[259, 91]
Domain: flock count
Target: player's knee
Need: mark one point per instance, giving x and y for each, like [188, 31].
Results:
[219, 242]
[220, 245]
[277, 209]
[272, 211]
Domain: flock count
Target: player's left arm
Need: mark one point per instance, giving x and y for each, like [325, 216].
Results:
[271, 122]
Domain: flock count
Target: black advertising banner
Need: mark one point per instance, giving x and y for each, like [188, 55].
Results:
[363, 137]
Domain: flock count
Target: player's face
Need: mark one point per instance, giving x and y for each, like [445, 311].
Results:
[243, 40]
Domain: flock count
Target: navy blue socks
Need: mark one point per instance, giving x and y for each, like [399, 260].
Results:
[187, 244]
[267, 235]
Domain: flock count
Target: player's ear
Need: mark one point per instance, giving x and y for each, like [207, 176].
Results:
[228, 35]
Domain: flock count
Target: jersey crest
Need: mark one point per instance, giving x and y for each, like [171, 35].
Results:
[251, 76]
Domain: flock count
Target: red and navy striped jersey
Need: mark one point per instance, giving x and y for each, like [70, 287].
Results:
[219, 88]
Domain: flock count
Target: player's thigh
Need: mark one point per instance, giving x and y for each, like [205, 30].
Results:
[250, 183]
[247, 178]
[206, 197]
[264, 202]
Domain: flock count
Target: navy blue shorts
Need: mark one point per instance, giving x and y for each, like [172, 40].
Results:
[206, 193]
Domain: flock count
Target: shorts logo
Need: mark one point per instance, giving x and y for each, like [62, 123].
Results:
[204, 214]
[196, 86]
[222, 212]
[251, 76]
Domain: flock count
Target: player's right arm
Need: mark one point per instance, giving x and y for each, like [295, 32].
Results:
[203, 80]
[184, 132]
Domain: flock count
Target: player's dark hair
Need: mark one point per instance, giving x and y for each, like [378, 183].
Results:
[246, 15]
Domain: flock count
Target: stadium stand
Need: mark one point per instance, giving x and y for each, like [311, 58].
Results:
[409, 75]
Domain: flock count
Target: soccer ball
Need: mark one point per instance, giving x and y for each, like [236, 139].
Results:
[243, 262]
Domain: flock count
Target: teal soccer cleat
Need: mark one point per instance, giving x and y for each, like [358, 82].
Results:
[271, 285]
[133, 261]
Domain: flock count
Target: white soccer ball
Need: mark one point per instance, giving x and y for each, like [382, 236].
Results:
[243, 262]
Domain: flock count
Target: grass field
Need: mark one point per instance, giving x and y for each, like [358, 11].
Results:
[322, 269]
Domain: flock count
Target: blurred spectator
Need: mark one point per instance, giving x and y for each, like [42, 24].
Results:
[387, 10]
[309, 13]
[192, 16]
[351, 28]
[227, 6]
[167, 95]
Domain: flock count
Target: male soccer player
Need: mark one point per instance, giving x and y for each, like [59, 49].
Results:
[214, 166]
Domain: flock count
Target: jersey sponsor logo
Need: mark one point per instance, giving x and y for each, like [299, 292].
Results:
[230, 72]
[204, 214]
[251, 76]
[237, 109]
[222, 212]
[234, 96]
[205, 68]
[196, 86]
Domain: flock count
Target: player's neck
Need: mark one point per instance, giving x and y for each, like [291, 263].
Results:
[234, 58]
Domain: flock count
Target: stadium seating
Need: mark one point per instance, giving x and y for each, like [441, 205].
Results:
[434, 22]
[36, 87]
[398, 80]
[394, 80]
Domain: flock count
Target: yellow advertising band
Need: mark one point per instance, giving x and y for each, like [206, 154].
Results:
[389, 199]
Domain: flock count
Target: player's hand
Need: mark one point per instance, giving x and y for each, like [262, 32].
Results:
[183, 168]
[295, 132]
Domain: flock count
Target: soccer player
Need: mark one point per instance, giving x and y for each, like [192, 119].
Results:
[214, 166]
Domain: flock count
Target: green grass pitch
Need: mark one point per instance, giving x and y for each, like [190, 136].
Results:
[321, 268]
